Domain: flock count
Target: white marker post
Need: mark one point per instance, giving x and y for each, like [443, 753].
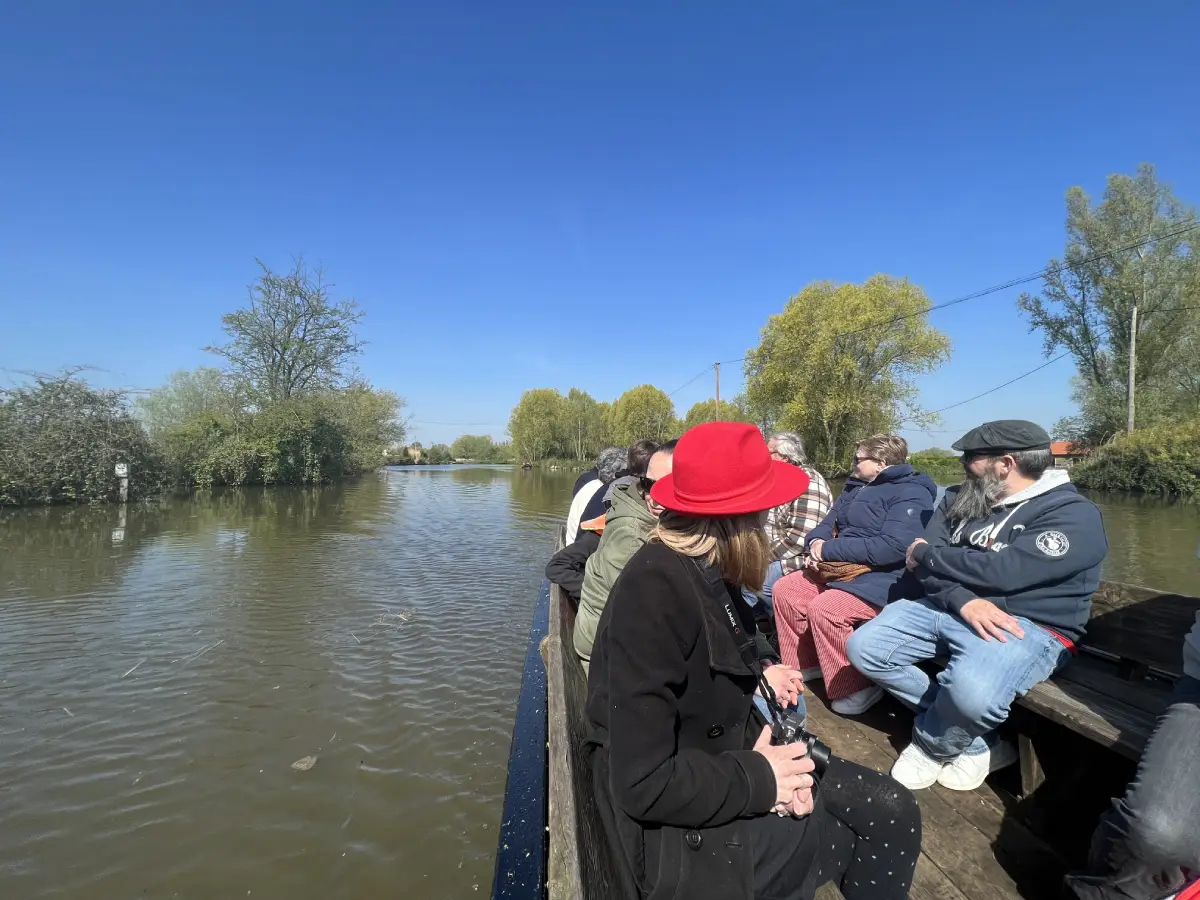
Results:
[122, 473]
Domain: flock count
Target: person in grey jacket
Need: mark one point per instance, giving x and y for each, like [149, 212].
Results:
[1008, 563]
[1148, 843]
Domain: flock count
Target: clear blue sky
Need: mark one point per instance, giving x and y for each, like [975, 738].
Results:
[557, 194]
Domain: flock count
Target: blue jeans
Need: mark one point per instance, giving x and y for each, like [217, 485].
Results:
[774, 573]
[1153, 832]
[973, 693]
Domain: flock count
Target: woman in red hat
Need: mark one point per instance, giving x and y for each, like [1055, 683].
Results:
[697, 801]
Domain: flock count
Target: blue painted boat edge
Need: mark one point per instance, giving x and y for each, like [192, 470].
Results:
[522, 844]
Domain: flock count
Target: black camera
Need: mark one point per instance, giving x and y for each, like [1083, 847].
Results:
[788, 728]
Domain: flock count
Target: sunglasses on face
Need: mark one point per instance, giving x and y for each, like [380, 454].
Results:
[968, 458]
[862, 459]
[645, 483]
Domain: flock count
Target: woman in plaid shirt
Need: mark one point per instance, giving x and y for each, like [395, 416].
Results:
[787, 525]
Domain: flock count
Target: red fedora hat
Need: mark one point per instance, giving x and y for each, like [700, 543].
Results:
[725, 469]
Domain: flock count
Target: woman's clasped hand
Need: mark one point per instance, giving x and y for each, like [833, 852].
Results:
[793, 775]
[787, 683]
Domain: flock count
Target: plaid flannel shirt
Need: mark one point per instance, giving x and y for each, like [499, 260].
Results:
[788, 525]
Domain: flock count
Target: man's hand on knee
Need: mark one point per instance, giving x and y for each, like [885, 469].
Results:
[990, 621]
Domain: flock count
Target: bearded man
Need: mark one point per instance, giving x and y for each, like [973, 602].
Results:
[1009, 563]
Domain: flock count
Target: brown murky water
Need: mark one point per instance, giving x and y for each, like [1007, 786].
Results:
[158, 683]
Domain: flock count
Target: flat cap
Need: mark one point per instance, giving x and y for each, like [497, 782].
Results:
[1003, 436]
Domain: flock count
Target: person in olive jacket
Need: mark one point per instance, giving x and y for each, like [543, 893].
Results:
[696, 800]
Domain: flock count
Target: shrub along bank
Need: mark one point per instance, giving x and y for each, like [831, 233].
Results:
[60, 440]
[1164, 459]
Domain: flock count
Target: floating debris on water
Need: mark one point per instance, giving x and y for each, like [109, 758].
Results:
[394, 620]
[303, 765]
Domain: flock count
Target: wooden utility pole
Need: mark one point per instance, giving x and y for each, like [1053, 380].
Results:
[1133, 357]
[717, 411]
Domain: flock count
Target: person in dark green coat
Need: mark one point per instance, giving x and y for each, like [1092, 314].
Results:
[626, 528]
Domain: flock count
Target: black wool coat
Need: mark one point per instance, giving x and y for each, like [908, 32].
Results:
[669, 708]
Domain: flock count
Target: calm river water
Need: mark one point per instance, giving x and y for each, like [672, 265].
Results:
[157, 683]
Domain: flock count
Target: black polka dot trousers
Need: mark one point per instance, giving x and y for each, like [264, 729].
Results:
[869, 832]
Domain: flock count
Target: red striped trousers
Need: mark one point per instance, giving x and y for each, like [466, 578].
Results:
[814, 625]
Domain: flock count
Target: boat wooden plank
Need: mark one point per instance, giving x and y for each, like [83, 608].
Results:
[952, 845]
[1092, 714]
[1141, 624]
[1027, 858]
[563, 874]
[1144, 693]
[581, 867]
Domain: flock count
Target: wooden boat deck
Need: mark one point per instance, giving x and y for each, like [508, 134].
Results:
[973, 847]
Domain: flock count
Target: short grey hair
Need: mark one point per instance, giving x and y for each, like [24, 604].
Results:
[610, 462]
[790, 446]
[1033, 463]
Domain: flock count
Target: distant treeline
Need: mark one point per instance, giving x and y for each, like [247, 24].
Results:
[285, 408]
[474, 448]
[825, 368]
[546, 426]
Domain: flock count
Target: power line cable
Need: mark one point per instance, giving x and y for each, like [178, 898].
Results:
[1183, 228]
[1006, 384]
[1105, 333]
[699, 374]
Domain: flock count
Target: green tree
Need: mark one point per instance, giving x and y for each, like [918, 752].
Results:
[837, 364]
[1087, 301]
[368, 418]
[187, 396]
[583, 424]
[438, 455]
[534, 424]
[706, 411]
[502, 452]
[475, 447]
[292, 338]
[642, 412]
[604, 410]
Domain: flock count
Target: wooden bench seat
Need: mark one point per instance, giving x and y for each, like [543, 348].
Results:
[1115, 690]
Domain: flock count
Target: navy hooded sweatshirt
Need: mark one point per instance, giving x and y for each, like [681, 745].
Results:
[875, 523]
[1037, 555]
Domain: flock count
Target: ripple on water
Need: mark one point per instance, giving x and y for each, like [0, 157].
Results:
[155, 692]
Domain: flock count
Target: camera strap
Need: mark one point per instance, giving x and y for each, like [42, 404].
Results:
[745, 642]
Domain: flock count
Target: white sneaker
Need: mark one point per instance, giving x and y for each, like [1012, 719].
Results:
[812, 673]
[915, 769]
[969, 771]
[858, 702]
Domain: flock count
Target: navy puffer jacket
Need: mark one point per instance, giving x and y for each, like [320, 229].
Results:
[875, 523]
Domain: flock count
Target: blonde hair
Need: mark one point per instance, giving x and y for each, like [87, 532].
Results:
[889, 449]
[736, 545]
